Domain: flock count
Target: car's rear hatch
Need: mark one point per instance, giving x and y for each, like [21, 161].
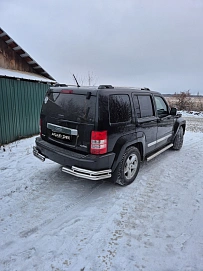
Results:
[68, 117]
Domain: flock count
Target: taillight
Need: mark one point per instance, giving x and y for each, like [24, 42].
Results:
[40, 127]
[98, 142]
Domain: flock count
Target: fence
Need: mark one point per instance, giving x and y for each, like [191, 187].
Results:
[20, 104]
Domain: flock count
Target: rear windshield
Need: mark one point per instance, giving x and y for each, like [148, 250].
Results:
[76, 107]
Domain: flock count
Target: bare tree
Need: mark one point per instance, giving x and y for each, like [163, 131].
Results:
[183, 100]
[200, 103]
[89, 80]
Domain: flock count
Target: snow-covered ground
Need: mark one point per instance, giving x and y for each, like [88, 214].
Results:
[52, 221]
[192, 114]
[194, 121]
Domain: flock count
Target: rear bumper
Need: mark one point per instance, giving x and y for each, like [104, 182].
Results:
[88, 174]
[70, 159]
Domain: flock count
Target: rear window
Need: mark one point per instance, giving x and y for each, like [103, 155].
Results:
[119, 108]
[76, 107]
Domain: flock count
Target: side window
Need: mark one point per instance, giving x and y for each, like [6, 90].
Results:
[143, 106]
[161, 107]
[119, 108]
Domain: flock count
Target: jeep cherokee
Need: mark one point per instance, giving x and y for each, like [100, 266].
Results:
[105, 132]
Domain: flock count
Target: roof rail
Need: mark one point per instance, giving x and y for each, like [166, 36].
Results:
[145, 89]
[105, 86]
[60, 85]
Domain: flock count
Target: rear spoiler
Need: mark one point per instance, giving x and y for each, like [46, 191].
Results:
[67, 90]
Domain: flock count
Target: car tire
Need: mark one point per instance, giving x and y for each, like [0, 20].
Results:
[178, 141]
[128, 168]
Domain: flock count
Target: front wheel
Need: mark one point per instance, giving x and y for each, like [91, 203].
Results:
[128, 167]
[178, 141]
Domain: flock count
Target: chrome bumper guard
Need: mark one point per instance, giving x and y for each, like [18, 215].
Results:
[38, 155]
[88, 174]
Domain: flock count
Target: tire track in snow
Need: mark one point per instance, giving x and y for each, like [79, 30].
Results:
[119, 213]
[59, 221]
[147, 166]
[63, 210]
[148, 183]
[144, 189]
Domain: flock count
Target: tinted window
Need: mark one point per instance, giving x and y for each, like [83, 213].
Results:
[137, 106]
[162, 108]
[143, 106]
[74, 107]
[119, 108]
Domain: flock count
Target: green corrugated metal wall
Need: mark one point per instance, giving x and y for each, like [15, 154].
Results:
[20, 104]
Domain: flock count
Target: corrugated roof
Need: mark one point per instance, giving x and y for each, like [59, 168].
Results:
[24, 75]
[23, 54]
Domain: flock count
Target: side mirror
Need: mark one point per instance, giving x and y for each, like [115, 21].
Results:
[173, 111]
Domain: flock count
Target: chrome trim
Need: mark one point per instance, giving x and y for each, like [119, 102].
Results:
[152, 143]
[88, 174]
[158, 140]
[159, 152]
[62, 129]
[37, 154]
[163, 138]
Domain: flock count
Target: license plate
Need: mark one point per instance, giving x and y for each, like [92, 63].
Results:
[61, 136]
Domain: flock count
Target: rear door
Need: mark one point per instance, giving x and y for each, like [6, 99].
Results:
[68, 118]
[146, 119]
[165, 122]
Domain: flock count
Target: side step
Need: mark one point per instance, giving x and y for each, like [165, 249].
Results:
[159, 152]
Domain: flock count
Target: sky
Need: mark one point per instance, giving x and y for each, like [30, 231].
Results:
[138, 43]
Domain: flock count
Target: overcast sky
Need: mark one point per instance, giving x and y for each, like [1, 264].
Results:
[144, 43]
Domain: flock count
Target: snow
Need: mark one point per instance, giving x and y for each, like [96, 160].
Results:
[192, 114]
[52, 221]
[24, 75]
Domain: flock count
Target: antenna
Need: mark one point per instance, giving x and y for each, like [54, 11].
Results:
[76, 81]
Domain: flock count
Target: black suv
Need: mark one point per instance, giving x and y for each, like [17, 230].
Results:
[105, 132]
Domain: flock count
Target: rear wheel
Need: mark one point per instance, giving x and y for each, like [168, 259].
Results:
[128, 167]
[178, 141]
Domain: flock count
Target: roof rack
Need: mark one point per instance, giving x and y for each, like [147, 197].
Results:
[105, 86]
[60, 85]
[145, 89]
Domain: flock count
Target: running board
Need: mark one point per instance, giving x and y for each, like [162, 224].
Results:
[157, 153]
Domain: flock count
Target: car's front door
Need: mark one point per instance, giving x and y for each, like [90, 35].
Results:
[165, 122]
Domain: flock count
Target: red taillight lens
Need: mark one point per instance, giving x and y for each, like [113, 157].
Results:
[40, 127]
[98, 142]
[66, 91]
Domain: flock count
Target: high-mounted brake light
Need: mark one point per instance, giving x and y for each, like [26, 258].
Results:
[98, 142]
[66, 91]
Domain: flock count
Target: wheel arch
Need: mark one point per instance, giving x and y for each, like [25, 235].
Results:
[139, 146]
[126, 142]
[180, 122]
